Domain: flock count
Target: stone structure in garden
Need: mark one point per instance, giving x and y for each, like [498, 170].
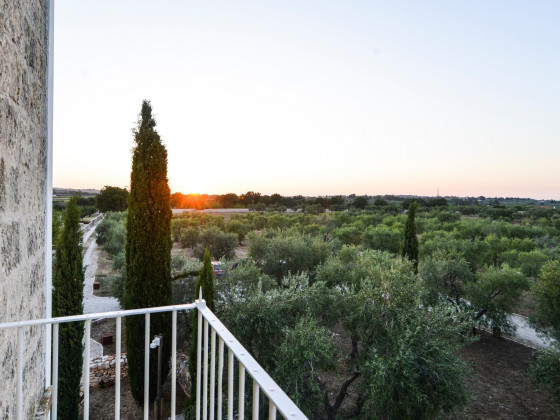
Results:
[23, 169]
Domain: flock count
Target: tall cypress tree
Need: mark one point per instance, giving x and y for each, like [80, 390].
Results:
[148, 251]
[205, 280]
[410, 241]
[68, 292]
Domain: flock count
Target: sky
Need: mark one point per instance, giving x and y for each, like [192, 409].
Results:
[313, 97]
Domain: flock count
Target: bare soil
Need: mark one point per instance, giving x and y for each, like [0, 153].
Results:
[499, 385]
[108, 326]
[102, 402]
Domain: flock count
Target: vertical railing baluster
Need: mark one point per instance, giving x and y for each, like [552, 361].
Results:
[173, 362]
[86, 369]
[198, 368]
[255, 400]
[241, 391]
[118, 370]
[205, 378]
[54, 410]
[146, 366]
[19, 392]
[271, 410]
[230, 385]
[213, 374]
[220, 376]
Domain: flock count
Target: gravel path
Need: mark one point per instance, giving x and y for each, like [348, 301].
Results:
[93, 303]
[526, 335]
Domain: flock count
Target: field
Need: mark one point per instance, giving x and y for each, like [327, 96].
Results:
[499, 386]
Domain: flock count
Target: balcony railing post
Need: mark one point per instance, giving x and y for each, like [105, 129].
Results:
[271, 410]
[146, 366]
[230, 384]
[220, 377]
[173, 362]
[198, 357]
[54, 410]
[205, 377]
[86, 369]
[213, 374]
[255, 400]
[118, 370]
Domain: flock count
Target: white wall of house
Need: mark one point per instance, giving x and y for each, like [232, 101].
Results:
[24, 154]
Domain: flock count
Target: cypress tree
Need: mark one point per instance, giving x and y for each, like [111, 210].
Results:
[205, 280]
[410, 241]
[68, 289]
[147, 251]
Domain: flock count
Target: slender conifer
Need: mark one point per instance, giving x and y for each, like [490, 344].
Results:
[148, 251]
[68, 289]
[410, 241]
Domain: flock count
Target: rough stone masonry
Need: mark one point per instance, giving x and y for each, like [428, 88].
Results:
[23, 142]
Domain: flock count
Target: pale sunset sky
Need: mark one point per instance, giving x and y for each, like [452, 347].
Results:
[313, 97]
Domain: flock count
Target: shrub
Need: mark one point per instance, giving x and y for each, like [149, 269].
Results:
[545, 371]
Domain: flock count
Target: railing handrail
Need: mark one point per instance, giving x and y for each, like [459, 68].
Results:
[278, 399]
[99, 315]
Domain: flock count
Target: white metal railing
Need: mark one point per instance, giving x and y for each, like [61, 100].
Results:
[208, 385]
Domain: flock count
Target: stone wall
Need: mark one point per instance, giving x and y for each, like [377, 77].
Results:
[23, 125]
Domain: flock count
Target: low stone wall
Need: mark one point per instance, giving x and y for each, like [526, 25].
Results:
[102, 370]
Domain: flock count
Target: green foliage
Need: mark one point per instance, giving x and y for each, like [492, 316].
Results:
[410, 241]
[179, 223]
[148, 250]
[109, 229]
[85, 201]
[546, 293]
[220, 244]
[360, 202]
[87, 211]
[188, 237]
[349, 235]
[239, 228]
[404, 354]
[281, 254]
[413, 373]
[116, 284]
[494, 295]
[68, 285]
[206, 281]
[333, 272]
[444, 275]
[382, 238]
[306, 349]
[111, 199]
[241, 281]
[545, 371]
[57, 220]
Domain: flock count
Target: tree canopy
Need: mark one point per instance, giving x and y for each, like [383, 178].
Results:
[112, 199]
